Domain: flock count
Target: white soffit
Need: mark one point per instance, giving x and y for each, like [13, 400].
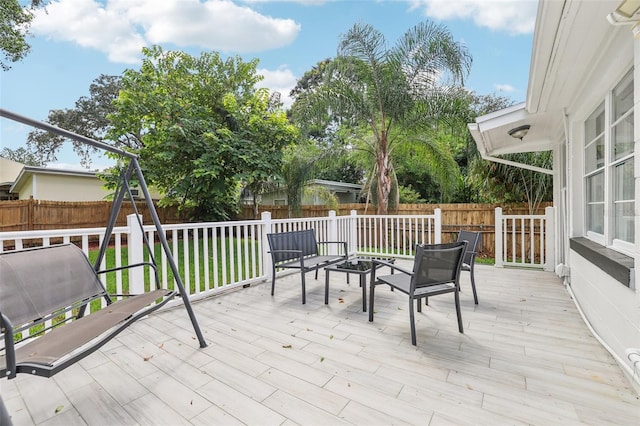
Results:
[491, 131]
[569, 40]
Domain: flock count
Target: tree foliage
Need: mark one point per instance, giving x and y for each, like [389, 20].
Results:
[199, 126]
[497, 182]
[88, 118]
[14, 30]
[24, 156]
[298, 167]
[388, 96]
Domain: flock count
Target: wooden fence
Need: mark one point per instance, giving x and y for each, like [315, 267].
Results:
[472, 217]
[27, 215]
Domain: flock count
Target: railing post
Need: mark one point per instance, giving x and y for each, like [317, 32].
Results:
[333, 232]
[550, 238]
[498, 237]
[135, 246]
[353, 233]
[265, 217]
[437, 226]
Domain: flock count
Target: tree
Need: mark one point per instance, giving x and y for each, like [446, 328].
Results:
[297, 168]
[264, 125]
[390, 95]
[504, 183]
[14, 30]
[199, 126]
[88, 118]
[24, 156]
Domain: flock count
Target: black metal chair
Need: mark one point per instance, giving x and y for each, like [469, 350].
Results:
[436, 270]
[473, 239]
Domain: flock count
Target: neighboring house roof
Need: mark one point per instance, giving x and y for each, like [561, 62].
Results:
[345, 192]
[28, 171]
[9, 170]
[569, 39]
[336, 186]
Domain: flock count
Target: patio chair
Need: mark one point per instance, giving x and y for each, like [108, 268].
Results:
[473, 239]
[436, 270]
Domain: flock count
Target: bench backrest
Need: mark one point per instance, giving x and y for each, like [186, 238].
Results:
[37, 282]
[294, 240]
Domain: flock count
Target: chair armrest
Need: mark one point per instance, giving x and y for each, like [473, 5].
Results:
[9, 346]
[391, 265]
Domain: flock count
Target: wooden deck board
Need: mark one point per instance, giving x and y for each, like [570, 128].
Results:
[526, 357]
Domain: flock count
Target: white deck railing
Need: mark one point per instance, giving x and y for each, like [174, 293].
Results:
[525, 240]
[215, 256]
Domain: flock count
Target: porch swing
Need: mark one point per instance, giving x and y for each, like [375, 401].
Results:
[39, 286]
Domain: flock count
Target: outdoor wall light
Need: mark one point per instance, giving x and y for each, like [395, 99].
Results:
[519, 132]
[628, 8]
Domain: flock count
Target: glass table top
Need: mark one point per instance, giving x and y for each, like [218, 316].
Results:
[359, 264]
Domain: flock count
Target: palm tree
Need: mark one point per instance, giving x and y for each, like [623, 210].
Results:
[391, 95]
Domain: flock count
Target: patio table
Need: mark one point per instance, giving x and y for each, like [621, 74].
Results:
[357, 265]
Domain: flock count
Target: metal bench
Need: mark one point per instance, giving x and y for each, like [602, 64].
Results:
[44, 296]
[300, 250]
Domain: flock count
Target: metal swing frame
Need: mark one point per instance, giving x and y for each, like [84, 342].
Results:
[123, 188]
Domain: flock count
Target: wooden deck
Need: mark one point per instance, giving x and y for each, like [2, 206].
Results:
[526, 357]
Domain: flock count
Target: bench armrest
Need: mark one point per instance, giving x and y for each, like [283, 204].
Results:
[9, 347]
[299, 252]
[134, 265]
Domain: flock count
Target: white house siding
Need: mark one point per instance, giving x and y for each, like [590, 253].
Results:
[611, 308]
[60, 187]
[70, 188]
[578, 57]
[28, 190]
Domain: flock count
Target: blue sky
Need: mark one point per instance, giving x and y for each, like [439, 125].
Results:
[77, 40]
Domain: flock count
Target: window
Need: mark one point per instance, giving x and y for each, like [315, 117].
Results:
[609, 168]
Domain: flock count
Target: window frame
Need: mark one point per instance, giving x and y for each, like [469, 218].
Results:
[608, 167]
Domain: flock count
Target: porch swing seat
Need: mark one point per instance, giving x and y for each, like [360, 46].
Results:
[47, 294]
[44, 295]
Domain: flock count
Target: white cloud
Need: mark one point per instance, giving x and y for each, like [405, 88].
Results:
[303, 2]
[120, 28]
[89, 24]
[504, 88]
[281, 80]
[512, 16]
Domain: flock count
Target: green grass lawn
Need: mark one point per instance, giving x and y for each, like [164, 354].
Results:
[215, 266]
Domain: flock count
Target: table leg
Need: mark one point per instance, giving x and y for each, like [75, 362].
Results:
[326, 287]
[363, 284]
